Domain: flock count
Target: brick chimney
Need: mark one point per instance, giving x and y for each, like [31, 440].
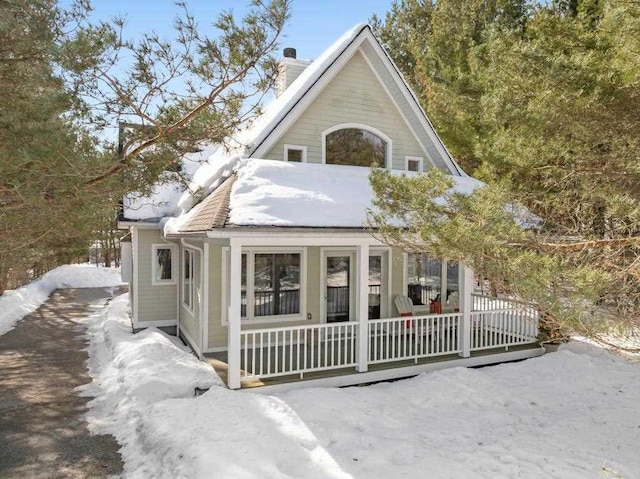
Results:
[289, 69]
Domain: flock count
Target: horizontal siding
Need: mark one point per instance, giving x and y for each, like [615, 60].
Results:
[354, 96]
[155, 303]
[433, 153]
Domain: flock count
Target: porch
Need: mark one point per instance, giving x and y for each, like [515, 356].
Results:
[344, 328]
[345, 353]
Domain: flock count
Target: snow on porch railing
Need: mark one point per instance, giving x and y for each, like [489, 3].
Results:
[413, 337]
[503, 328]
[297, 349]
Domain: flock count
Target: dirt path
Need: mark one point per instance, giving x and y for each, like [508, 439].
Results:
[43, 432]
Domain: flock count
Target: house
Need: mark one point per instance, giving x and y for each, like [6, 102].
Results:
[265, 267]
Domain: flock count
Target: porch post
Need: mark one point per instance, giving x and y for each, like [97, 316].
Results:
[362, 307]
[233, 341]
[465, 308]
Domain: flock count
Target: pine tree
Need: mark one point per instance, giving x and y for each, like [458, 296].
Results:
[64, 80]
[542, 105]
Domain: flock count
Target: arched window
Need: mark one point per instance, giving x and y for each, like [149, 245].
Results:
[355, 146]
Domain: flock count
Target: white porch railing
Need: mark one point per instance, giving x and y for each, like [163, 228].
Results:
[297, 349]
[488, 303]
[413, 337]
[503, 328]
[283, 351]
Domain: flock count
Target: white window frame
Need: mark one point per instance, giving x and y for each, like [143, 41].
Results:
[419, 159]
[191, 283]
[361, 126]
[295, 147]
[444, 279]
[251, 252]
[154, 265]
[326, 252]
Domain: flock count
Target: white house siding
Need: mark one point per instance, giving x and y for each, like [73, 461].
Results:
[155, 302]
[189, 320]
[354, 96]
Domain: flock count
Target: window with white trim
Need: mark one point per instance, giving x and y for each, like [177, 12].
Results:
[187, 274]
[424, 278]
[295, 153]
[162, 266]
[432, 280]
[271, 284]
[355, 147]
[413, 163]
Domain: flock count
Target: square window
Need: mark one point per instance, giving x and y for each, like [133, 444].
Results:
[162, 265]
[295, 153]
[271, 284]
[414, 164]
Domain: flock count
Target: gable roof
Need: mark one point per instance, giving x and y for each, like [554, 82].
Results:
[261, 134]
[284, 111]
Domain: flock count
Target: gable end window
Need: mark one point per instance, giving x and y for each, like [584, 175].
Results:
[413, 163]
[162, 266]
[356, 146]
[295, 153]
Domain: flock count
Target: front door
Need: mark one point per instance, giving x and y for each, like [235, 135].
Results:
[338, 286]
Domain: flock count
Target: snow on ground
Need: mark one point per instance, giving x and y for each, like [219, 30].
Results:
[570, 414]
[626, 343]
[15, 304]
[131, 372]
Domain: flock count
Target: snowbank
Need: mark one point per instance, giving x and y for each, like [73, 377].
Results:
[570, 414]
[131, 372]
[15, 304]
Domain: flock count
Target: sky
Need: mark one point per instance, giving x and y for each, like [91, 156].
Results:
[313, 26]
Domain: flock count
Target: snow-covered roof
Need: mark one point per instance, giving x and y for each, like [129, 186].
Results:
[203, 171]
[287, 194]
[171, 199]
[266, 192]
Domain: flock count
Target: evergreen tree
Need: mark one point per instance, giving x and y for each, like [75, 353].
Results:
[63, 80]
[542, 105]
